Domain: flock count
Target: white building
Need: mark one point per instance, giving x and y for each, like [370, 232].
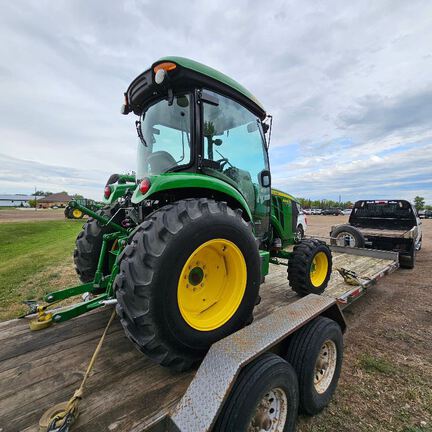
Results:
[17, 200]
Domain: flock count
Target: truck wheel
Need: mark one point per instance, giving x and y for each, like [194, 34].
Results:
[89, 243]
[315, 352]
[346, 235]
[189, 276]
[310, 267]
[408, 261]
[264, 397]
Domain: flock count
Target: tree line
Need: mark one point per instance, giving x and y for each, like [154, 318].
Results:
[419, 203]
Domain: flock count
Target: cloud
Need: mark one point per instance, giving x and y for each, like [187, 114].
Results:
[349, 85]
[24, 176]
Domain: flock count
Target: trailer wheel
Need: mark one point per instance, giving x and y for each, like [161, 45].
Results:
[310, 267]
[264, 397]
[189, 276]
[315, 352]
[89, 243]
[347, 235]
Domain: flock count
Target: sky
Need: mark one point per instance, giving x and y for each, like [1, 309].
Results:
[349, 85]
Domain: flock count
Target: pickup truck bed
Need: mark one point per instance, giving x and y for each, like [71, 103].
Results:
[387, 233]
[127, 392]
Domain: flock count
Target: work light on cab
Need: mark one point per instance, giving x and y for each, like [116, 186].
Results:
[144, 185]
[161, 70]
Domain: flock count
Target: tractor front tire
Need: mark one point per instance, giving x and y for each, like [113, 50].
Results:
[89, 243]
[310, 267]
[189, 276]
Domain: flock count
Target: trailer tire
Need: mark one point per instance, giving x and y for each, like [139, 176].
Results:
[310, 267]
[268, 383]
[89, 243]
[347, 235]
[316, 352]
[177, 259]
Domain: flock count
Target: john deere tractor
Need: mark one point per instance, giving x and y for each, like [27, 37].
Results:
[184, 245]
[75, 213]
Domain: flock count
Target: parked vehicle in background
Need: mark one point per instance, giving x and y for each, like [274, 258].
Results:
[291, 219]
[382, 224]
[421, 214]
[307, 211]
[316, 211]
[332, 212]
[347, 212]
[301, 223]
[73, 213]
[428, 214]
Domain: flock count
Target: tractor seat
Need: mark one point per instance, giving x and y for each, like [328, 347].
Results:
[161, 161]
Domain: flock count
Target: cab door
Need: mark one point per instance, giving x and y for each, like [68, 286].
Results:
[234, 150]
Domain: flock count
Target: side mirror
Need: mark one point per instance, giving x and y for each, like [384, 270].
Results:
[265, 178]
[217, 142]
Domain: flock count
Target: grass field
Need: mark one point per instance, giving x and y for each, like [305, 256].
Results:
[35, 257]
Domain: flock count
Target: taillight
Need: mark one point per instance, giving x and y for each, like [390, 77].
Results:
[144, 185]
[305, 220]
[107, 192]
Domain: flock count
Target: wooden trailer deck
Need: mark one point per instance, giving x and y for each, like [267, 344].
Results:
[126, 392]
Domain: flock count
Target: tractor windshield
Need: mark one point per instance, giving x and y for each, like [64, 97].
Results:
[164, 131]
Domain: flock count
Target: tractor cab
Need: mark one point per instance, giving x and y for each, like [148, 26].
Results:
[194, 119]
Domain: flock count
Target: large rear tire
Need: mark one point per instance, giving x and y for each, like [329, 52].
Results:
[310, 267]
[88, 245]
[189, 276]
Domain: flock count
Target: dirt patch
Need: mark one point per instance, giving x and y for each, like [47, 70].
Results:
[386, 381]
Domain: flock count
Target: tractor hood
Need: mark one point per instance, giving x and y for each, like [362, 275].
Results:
[178, 73]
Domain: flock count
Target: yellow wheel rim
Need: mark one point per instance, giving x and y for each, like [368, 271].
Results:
[319, 269]
[212, 284]
[77, 213]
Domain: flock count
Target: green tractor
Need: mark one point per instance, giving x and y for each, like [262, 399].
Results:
[75, 213]
[183, 246]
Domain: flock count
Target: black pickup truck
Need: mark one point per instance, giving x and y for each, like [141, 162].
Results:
[382, 224]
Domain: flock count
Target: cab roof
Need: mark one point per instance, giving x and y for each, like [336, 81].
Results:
[188, 71]
[212, 73]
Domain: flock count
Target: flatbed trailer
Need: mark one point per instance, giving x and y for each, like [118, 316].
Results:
[126, 391]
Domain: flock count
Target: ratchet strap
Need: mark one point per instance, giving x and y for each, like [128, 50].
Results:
[60, 417]
[351, 277]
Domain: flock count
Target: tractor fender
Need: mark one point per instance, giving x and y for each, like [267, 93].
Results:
[193, 185]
